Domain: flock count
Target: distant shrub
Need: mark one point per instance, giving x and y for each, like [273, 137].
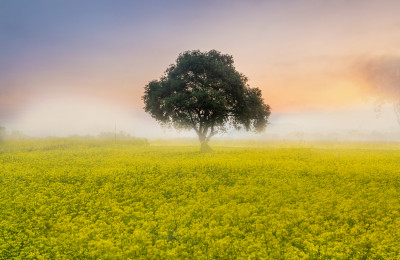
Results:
[3, 133]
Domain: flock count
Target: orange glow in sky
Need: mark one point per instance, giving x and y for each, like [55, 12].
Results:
[302, 54]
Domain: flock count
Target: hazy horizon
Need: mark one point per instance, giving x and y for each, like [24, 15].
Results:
[81, 67]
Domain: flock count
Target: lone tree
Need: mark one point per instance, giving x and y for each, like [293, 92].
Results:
[203, 91]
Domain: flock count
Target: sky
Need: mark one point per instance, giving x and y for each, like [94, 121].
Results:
[80, 67]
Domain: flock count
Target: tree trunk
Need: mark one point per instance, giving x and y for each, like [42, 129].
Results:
[396, 107]
[204, 147]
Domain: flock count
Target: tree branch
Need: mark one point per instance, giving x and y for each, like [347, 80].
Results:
[396, 107]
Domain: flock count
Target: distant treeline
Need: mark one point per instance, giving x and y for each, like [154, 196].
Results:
[344, 136]
[13, 135]
[18, 135]
[121, 135]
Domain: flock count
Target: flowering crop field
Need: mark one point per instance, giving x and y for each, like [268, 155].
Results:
[76, 199]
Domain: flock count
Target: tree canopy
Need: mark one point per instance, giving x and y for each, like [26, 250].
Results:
[204, 92]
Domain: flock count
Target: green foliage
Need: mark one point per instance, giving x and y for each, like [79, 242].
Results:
[69, 199]
[203, 91]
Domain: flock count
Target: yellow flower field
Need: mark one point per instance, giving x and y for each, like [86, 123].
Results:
[77, 199]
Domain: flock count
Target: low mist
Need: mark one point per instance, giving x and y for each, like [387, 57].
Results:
[80, 117]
